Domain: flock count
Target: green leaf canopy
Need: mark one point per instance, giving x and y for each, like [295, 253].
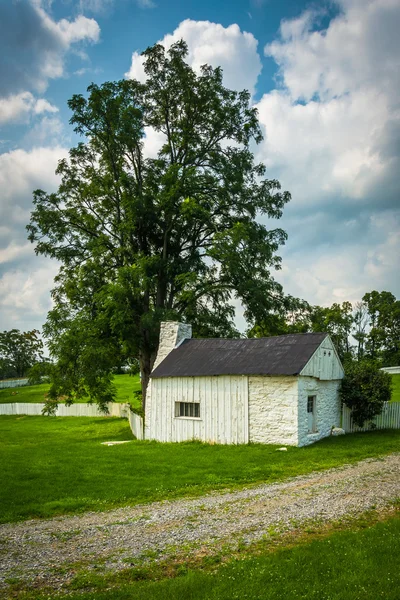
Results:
[141, 239]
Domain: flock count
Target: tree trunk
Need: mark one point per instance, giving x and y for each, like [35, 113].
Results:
[146, 362]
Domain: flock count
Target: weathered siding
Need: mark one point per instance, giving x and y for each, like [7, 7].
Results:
[324, 363]
[327, 408]
[223, 409]
[273, 410]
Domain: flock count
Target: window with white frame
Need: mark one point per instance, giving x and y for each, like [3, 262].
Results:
[311, 414]
[187, 409]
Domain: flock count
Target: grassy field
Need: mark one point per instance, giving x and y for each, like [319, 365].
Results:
[353, 564]
[125, 385]
[56, 465]
[396, 388]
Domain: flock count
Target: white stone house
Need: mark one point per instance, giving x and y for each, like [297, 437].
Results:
[277, 390]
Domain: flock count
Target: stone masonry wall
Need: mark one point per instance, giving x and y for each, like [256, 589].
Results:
[328, 408]
[273, 410]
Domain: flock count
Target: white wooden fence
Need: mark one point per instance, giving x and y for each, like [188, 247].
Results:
[136, 424]
[78, 410]
[11, 383]
[388, 419]
[391, 370]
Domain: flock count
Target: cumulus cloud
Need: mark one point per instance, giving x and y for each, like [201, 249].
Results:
[34, 45]
[25, 297]
[332, 136]
[211, 43]
[20, 173]
[48, 130]
[20, 107]
[25, 279]
[359, 49]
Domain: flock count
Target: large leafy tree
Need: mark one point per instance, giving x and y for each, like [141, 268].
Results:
[383, 341]
[19, 351]
[142, 239]
[293, 315]
[337, 320]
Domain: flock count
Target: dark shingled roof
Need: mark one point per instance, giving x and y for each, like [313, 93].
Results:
[280, 355]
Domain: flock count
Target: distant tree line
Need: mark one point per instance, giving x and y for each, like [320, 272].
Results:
[369, 329]
[19, 352]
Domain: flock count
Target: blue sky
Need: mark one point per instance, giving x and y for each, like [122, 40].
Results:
[325, 79]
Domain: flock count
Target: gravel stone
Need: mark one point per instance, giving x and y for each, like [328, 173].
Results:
[47, 552]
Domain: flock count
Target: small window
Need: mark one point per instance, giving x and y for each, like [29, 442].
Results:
[187, 409]
[311, 401]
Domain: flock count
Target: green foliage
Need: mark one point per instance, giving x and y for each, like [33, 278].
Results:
[125, 386]
[40, 372]
[292, 315]
[364, 390]
[383, 341]
[57, 465]
[297, 316]
[146, 239]
[374, 323]
[337, 320]
[19, 351]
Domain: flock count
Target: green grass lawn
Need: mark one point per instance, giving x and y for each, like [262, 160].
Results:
[346, 565]
[56, 465]
[396, 388]
[125, 385]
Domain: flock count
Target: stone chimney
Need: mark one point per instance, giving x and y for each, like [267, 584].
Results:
[172, 334]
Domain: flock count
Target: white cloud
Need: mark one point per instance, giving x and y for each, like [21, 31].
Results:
[46, 43]
[332, 137]
[25, 279]
[24, 297]
[152, 142]
[66, 33]
[20, 107]
[13, 251]
[211, 43]
[20, 173]
[330, 273]
[359, 49]
[49, 130]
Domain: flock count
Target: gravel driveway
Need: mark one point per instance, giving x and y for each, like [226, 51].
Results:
[45, 551]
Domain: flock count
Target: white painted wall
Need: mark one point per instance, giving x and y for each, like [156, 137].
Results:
[328, 408]
[223, 409]
[273, 410]
[240, 409]
[324, 363]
